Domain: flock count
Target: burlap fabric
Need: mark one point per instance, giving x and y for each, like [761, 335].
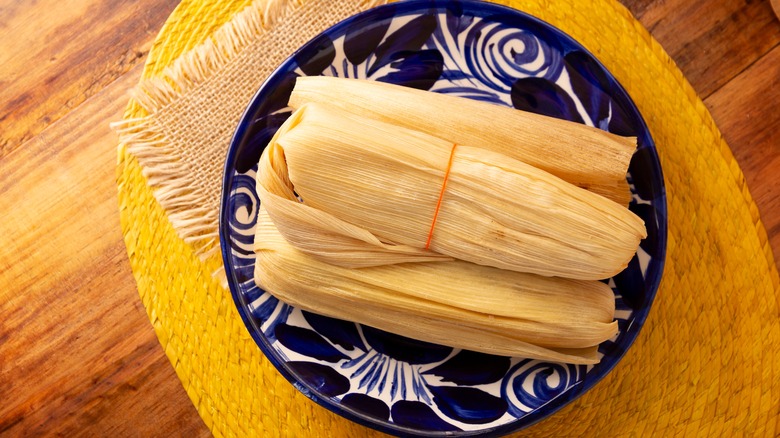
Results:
[196, 102]
[706, 363]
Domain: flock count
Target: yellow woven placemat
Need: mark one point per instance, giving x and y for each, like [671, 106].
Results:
[707, 361]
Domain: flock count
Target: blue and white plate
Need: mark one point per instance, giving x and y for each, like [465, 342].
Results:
[399, 385]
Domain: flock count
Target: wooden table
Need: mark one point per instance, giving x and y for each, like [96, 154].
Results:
[77, 352]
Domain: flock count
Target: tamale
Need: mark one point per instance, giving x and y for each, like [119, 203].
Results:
[370, 192]
[458, 304]
[579, 154]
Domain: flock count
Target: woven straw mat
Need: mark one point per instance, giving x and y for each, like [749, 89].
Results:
[706, 363]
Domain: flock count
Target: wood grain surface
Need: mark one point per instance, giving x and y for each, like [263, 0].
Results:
[78, 355]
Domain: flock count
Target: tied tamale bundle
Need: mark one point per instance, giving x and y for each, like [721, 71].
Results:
[585, 156]
[456, 303]
[438, 240]
[375, 193]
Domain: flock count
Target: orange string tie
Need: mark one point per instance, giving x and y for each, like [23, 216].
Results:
[441, 195]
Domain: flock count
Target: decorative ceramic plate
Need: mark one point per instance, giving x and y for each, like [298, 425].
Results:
[399, 385]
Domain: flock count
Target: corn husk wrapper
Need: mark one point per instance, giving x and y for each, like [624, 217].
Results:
[458, 304]
[582, 155]
[370, 191]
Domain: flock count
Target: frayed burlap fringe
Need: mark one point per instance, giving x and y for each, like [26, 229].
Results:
[173, 189]
[185, 185]
[199, 64]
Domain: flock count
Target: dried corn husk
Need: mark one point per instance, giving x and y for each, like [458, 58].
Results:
[618, 192]
[370, 191]
[451, 303]
[579, 154]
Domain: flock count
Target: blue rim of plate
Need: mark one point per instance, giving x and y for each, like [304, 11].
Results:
[634, 292]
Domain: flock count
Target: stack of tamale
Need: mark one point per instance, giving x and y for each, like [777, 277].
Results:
[445, 219]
